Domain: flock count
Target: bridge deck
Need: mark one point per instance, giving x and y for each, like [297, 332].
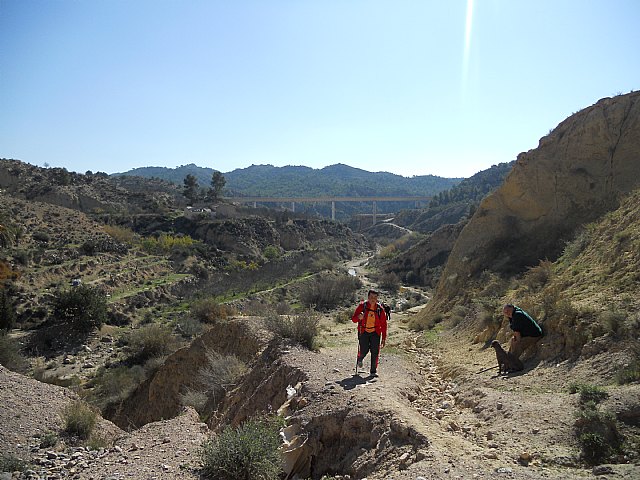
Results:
[324, 199]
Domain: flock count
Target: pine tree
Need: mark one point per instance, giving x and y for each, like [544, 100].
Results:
[217, 184]
[191, 188]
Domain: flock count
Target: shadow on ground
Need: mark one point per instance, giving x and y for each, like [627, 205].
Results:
[352, 382]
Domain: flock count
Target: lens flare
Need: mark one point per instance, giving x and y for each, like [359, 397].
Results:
[467, 43]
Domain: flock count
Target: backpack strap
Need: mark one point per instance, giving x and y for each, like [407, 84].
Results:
[378, 311]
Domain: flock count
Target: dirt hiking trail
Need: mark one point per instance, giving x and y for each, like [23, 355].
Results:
[430, 414]
[415, 420]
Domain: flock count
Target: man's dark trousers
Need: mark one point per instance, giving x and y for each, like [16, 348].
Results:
[369, 341]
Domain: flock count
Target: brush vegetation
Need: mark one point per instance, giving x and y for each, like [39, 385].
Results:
[246, 452]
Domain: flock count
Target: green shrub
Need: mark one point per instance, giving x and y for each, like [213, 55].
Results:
[89, 247]
[458, 314]
[240, 265]
[301, 328]
[208, 310]
[589, 393]
[10, 356]
[390, 282]
[343, 316]
[630, 372]
[79, 419]
[9, 463]
[538, 276]
[166, 243]
[594, 447]
[98, 442]
[597, 433]
[323, 261]
[271, 251]
[23, 257]
[7, 231]
[7, 310]
[597, 430]
[328, 292]
[573, 248]
[426, 322]
[613, 322]
[493, 285]
[83, 308]
[48, 439]
[120, 234]
[247, 452]
[112, 385]
[388, 251]
[43, 237]
[148, 342]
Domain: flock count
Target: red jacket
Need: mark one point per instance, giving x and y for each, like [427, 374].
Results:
[381, 318]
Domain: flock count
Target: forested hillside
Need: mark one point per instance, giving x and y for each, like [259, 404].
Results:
[450, 206]
[297, 181]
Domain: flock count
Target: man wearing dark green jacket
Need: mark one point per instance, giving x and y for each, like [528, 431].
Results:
[526, 332]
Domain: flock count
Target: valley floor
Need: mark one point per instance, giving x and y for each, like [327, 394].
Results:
[427, 414]
[431, 413]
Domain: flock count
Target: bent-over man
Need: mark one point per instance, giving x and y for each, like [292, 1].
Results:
[526, 331]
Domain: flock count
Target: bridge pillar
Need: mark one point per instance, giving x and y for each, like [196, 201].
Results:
[333, 210]
[375, 211]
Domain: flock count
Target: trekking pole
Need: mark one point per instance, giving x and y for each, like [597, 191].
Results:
[486, 369]
[358, 357]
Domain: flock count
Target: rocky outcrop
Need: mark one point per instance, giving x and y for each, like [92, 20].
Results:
[577, 173]
[262, 389]
[89, 193]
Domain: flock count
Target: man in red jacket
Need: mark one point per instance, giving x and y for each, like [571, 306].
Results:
[372, 327]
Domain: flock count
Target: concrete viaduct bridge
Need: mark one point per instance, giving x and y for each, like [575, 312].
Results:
[332, 200]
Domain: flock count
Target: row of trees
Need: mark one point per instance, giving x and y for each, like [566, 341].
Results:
[194, 193]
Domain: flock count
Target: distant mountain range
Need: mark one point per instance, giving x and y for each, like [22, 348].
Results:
[297, 181]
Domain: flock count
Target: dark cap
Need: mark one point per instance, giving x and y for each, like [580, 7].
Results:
[375, 292]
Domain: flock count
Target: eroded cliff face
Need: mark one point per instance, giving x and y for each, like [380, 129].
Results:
[576, 174]
[263, 388]
[159, 397]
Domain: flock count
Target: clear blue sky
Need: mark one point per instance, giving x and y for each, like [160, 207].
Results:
[418, 87]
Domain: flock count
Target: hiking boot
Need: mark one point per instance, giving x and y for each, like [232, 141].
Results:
[359, 364]
[373, 373]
